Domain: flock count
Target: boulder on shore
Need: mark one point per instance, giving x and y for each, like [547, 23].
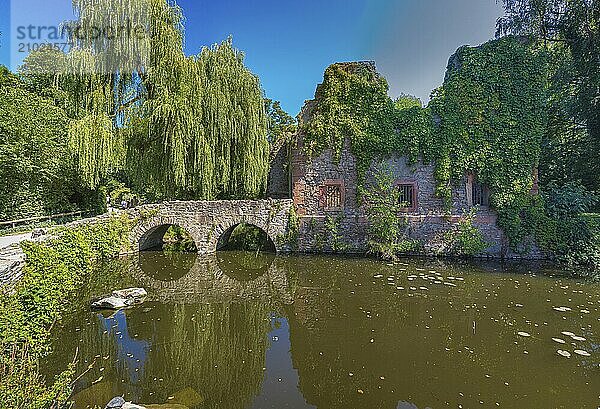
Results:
[121, 299]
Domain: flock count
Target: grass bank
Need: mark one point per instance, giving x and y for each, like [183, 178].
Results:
[54, 271]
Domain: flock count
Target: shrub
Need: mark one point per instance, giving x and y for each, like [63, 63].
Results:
[466, 240]
[53, 272]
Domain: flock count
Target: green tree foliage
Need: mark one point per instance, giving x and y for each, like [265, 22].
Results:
[387, 228]
[466, 240]
[353, 104]
[282, 127]
[570, 29]
[281, 124]
[181, 127]
[54, 271]
[36, 175]
[206, 135]
[492, 118]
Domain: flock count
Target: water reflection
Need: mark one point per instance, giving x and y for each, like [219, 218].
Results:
[323, 332]
[231, 276]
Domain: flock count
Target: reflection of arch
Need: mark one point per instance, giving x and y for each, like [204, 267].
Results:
[223, 230]
[149, 235]
[243, 265]
[173, 266]
[207, 283]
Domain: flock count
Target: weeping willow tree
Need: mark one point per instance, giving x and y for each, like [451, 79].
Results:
[202, 132]
[180, 127]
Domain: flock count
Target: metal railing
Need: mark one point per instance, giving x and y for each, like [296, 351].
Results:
[14, 223]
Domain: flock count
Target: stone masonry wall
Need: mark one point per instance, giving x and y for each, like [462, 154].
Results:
[207, 221]
[278, 186]
[345, 229]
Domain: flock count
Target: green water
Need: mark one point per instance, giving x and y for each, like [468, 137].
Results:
[232, 331]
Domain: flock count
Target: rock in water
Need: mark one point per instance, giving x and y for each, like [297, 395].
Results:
[129, 405]
[115, 403]
[121, 299]
[135, 294]
[111, 303]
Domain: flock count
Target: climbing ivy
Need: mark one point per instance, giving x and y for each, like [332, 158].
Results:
[488, 118]
[492, 117]
[353, 104]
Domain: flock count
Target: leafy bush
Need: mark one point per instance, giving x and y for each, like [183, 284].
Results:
[37, 176]
[177, 239]
[569, 232]
[466, 240]
[387, 228]
[569, 200]
[53, 272]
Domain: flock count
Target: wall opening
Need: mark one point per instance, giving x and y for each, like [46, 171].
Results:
[246, 237]
[169, 238]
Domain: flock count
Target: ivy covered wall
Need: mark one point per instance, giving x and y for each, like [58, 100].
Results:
[487, 118]
[491, 114]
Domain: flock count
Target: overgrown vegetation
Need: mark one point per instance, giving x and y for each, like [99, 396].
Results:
[54, 271]
[569, 30]
[37, 177]
[491, 117]
[177, 239]
[334, 234]
[388, 229]
[466, 240]
[354, 104]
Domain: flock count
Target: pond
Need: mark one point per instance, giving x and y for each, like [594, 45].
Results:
[239, 331]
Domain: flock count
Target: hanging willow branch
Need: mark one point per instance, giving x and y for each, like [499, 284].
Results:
[195, 127]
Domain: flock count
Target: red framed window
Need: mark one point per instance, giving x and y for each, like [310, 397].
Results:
[332, 195]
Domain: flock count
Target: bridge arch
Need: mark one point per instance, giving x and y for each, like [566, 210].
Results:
[223, 230]
[149, 235]
[208, 221]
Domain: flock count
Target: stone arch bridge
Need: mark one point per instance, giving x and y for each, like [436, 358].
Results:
[210, 222]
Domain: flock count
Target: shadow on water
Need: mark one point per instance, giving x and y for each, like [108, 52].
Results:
[238, 331]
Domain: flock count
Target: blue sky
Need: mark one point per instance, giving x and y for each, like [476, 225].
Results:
[288, 44]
